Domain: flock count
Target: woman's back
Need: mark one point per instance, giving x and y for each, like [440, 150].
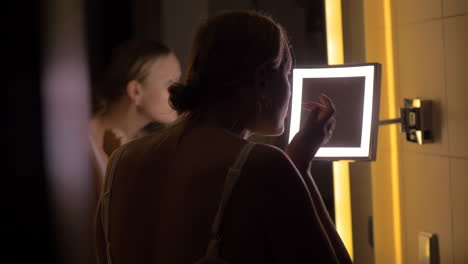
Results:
[165, 195]
[167, 190]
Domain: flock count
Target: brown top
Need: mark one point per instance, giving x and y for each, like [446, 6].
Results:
[166, 192]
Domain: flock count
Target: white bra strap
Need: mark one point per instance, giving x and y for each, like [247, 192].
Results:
[105, 205]
[229, 184]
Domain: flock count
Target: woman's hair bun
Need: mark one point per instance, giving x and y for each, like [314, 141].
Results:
[182, 98]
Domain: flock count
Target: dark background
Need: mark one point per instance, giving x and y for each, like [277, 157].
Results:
[26, 221]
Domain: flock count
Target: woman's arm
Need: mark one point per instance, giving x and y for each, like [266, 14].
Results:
[327, 222]
[317, 131]
[292, 224]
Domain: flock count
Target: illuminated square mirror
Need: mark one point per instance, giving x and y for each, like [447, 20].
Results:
[355, 91]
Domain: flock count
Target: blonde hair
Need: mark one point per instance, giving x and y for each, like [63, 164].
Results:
[131, 60]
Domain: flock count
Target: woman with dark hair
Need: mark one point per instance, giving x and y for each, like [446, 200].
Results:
[199, 190]
[132, 94]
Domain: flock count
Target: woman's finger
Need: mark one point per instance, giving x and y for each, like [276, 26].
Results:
[314, 111]
[331, 126]
[328, 111]
[311, 106]
[327, 101]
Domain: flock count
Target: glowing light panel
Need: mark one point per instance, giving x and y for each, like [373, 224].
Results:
[370, 72]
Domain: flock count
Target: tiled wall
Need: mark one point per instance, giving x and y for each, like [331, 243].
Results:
[431, 55]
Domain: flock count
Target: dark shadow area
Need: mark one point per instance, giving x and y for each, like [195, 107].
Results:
[105, 28]
[26, 213]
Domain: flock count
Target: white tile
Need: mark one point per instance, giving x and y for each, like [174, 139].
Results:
[459, 178]
[410, 11]
[420, 73]
[426, 203]
[456, 54]
[455, 7]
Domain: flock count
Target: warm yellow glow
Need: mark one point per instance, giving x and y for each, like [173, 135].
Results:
[392, 103]
[334, 32]
[343, 216]
[427, 251]
[340, 168]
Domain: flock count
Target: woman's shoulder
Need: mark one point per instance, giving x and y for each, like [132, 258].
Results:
[269, 158]
[134, 149]
[266, 152]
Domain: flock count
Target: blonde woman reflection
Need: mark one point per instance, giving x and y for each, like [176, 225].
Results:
[133, 93]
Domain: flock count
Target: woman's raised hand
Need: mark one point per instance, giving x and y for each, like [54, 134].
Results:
[318, 129]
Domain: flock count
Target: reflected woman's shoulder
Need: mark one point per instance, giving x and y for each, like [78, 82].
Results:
[144, 145]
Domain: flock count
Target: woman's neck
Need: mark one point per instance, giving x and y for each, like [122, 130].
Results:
[229, 123]
[122, 117]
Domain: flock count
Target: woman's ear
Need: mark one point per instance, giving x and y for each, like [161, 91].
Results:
[134, 92]
[261, 78]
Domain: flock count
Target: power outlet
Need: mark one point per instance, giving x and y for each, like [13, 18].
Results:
[428, 251]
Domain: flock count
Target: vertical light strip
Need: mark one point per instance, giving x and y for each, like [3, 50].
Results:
[342, 191]
[340, 168]
[65, 83]
[334, 30]
[394, 130]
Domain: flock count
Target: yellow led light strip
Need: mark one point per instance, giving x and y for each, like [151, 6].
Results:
[342, 192]
[334, 32]
[343, 220]
[394, 129]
